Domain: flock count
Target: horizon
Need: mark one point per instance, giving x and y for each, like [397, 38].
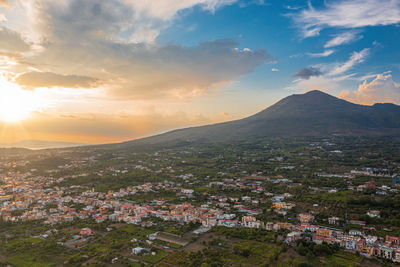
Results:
[127, 69]
[36, 144]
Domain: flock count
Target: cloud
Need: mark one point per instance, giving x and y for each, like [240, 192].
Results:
[298, 55]
[128, 20]
[289, 7]
[307, 73]
[356, 58]
[380, 90]
[12, 41]
[4, 3]
[3, 18]
[99, 44]
[326, 53]
[167, 9]
[343, 38]
[152, 71]
[275, 69]
[48, 79]
[348, 14]
[334, 74]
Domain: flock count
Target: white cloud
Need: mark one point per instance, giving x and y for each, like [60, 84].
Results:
[348, 14]
[326, 53]
[380, 90]
[108, 40]
[356, 58]
[3, 18]
[328, 77]
[155, 15]
[322, 83]
[167, 9]
[343, 38]
[128, 20]
[274, 69]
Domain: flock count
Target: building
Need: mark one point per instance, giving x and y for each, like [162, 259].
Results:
[86, 232]
[306, 217]
[374, 213]
[139, 250]
[355, 232]
[396, 257]
[292, 237]
[333, 220]
[283, 205]
[251, 222]
[324, 232]
[395, 180]
[386, 252]
[392, 240]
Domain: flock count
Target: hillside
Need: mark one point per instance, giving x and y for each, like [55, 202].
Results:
[311, 114]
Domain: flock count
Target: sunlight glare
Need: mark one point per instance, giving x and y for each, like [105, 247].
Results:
[16, 104]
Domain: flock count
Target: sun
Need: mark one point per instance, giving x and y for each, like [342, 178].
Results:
[16, 104]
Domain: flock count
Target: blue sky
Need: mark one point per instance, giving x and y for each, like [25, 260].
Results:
[111, 70]
[272, 25]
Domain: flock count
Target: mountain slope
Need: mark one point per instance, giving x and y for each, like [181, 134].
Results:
[312, 114]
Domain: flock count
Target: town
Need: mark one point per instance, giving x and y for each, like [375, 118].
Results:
[162, 196]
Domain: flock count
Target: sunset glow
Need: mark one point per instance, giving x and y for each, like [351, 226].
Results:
[16, 104]
[100, 71]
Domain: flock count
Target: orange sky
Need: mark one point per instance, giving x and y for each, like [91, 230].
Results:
[98, 71]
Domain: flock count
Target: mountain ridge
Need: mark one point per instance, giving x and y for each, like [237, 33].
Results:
[40, 144]
[314, 113]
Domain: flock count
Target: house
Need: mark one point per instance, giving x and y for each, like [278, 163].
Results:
[324, 232]
[187, 191]
[351, 244]
[209, 222]
[318, 239]
[361, 246]
[311, 228]
[227, 223]
[371, 239]
[86, 232]
[333, 220]
[269, 226]
[386, 252]
[392, 240]
[374, 214]
[282, 205]
[246, 198]
[251, 222]
[249, 211]
[396, 257]
[153, 236]
[355, 232]
[292, 237]
[140, 250]
[306, 217]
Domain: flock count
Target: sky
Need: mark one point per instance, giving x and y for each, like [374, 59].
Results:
[100, 71]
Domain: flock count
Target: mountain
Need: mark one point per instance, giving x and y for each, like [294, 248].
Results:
[311, 114]
[39, 144]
